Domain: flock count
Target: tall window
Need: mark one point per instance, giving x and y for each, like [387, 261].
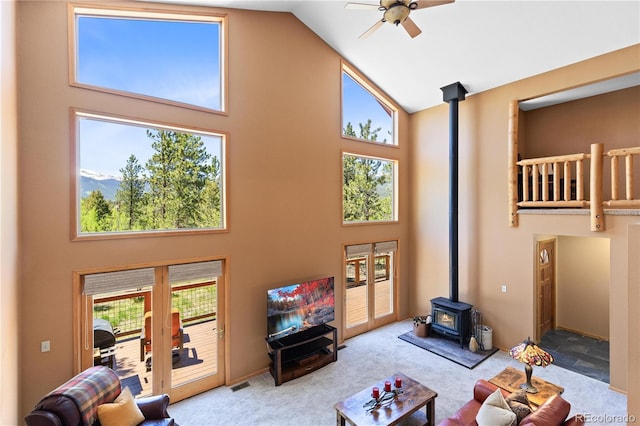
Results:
[369, 189]
[172, 57]
[138, 177]
[366, 115]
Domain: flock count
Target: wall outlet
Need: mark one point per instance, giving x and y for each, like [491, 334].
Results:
[45, 346]
[504, 288]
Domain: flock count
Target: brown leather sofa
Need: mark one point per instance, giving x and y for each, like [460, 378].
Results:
[61, 407]
[553, 411]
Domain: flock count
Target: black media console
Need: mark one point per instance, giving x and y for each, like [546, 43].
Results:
[301, 353]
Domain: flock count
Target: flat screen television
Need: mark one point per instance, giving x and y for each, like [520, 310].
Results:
[298, 307]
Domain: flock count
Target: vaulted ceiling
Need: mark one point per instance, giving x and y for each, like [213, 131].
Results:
[482, 44]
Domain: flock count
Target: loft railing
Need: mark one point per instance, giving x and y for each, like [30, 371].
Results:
[558, 182]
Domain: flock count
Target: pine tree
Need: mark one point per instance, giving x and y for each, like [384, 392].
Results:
[95, 213]
[130, 195]
[178, 173]
[363, 182]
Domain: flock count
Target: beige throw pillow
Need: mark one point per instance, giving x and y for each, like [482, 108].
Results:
[495, 411]
[123, 411]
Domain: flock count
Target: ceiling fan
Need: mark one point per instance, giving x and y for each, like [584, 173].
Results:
[396, 12]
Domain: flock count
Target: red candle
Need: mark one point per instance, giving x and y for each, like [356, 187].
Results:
[375, 393]
[398, 382]
[387, 386]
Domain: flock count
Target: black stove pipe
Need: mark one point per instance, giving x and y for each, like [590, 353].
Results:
[453, 94]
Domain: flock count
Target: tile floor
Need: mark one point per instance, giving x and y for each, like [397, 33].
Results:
[584, 355]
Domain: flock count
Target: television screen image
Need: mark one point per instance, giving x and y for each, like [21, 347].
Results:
[297, 307]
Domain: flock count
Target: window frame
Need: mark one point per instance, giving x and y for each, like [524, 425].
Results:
[378, 95]
[394, 185]
[74, 10]
[76, 114]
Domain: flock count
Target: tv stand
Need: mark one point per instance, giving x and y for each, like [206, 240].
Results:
[298, 354]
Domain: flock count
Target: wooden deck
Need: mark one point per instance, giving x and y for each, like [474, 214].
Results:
[357, 302]
[197, 359]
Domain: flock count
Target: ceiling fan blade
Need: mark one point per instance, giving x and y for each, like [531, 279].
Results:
[357, 5]
[371, 30]
[411, 27]
[429, 3]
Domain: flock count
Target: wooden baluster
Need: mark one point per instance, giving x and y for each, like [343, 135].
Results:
[534, 173]
[545, 182]
[595, 194]
[567, 180]
[615, 189]
[525, 183]
[556, 183]
[628, 162]
[579, 180]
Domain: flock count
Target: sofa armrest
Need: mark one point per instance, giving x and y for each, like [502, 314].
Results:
[552, 412]
[154, 407]
[42, 418]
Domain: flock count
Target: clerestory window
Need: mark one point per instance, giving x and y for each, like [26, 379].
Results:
[366, 114]
[168, 57]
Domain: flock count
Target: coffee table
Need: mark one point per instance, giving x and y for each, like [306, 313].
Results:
[510, 380]
[407, 404]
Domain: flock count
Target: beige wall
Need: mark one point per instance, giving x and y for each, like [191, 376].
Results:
[285, 189]
[491, 252]
[582, 291]
[9, 269]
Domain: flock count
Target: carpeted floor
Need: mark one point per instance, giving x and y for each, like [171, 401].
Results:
[365, 359]
[449, 349]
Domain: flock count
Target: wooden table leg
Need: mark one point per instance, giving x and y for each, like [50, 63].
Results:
[431, 412]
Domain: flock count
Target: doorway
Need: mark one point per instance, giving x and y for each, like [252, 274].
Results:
[370, 286]
[160, 328]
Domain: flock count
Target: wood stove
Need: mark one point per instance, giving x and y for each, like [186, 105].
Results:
[451, 317]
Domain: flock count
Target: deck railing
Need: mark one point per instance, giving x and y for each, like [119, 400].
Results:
[125, 311]
[558, 182]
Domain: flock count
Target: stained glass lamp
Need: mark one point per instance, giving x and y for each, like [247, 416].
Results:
[530, 354]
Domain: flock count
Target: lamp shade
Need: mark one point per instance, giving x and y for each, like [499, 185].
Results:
[529, 353]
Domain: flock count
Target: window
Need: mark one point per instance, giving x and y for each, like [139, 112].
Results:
[171, 57]
[135, 177]
[369, 189]
[365, 114]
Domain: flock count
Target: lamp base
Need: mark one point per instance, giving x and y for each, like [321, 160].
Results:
[529, 388]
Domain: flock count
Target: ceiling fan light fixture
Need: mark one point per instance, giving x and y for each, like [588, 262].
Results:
[396, 13]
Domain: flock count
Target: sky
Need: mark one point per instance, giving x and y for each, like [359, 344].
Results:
[175, 60]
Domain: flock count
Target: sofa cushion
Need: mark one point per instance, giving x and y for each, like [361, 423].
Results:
[123, 411]
[519, 404]
[495, 411]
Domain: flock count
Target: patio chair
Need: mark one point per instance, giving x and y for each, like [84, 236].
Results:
[177, 333]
